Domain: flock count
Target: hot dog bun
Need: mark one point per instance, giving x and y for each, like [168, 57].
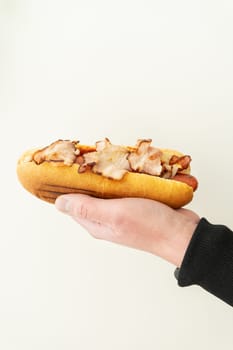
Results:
[48, 180]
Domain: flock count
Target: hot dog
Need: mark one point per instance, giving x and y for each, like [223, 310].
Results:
[106, 170]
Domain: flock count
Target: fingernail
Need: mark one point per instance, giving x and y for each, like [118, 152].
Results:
[63, 205]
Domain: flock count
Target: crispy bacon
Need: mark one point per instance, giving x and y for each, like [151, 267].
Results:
[59, 151]
[146, 159]
[183, 161]
[103, 144]
[175, 166]
[108, 160]
[169, 171]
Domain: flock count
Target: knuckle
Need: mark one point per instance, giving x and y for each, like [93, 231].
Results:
[81, 210]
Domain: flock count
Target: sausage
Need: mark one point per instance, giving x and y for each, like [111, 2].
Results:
[188, 179]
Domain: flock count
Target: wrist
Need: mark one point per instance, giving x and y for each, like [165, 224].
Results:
[175, 242]
[181, 242]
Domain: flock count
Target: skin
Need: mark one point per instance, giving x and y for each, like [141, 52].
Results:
[134, 222]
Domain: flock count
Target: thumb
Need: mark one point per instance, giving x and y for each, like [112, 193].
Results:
[84, 207]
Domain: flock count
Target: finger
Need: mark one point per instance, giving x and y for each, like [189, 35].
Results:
[85, 207]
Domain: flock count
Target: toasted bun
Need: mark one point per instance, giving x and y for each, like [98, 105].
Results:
[48, 181]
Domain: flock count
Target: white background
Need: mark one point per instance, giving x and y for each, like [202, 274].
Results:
[123, 69]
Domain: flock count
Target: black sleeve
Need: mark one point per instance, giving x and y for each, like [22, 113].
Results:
[208, 261]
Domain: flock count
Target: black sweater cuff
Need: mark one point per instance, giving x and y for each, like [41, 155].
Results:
[208, 261]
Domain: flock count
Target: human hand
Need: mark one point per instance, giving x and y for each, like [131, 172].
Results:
[134, 222]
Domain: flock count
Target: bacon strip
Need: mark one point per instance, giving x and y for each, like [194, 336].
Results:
[108, 160]
[58, 151]
[183, 161]
[146, 159]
